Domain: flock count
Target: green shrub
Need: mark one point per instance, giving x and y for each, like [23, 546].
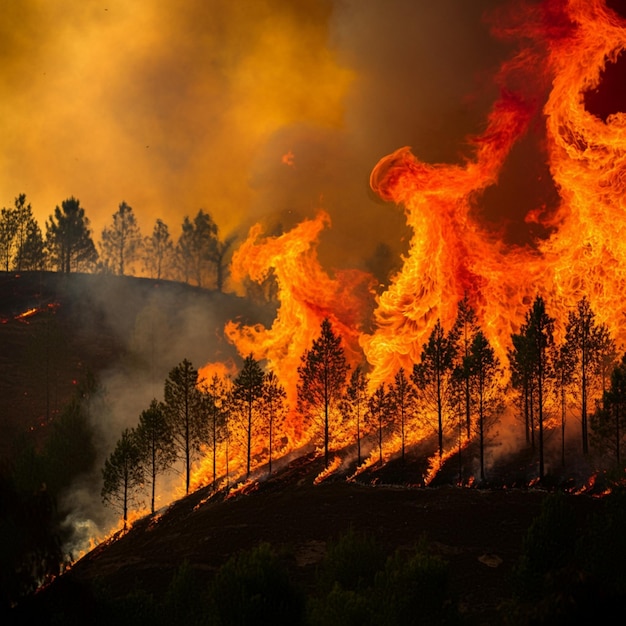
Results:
[414, 589]
[254, 587]
[357, 586]
[351, 562]
[186, 599]
[342, 607]
[547, 547]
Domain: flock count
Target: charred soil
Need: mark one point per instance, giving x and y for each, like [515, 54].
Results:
[478, 533]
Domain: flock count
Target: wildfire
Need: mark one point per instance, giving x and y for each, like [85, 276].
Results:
[307, 295]
[564, 49]
[451, 254]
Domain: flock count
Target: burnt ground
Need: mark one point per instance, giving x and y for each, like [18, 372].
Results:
[478, 532]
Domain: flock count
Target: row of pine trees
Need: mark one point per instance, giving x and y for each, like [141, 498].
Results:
[197, 256]
[456, 394]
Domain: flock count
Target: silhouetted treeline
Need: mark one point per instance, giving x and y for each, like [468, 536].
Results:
[198, 256]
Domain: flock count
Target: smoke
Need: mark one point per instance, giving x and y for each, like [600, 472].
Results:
[149, 328]
[177, 107]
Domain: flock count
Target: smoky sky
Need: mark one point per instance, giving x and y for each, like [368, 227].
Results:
[177, 107]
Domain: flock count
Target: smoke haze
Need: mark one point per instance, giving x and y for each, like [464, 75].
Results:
[176, 107]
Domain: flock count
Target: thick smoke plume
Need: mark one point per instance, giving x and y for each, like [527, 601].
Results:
[177, 107]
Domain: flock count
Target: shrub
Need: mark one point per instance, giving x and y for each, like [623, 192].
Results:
[547, 547]
[351, 562]
[414, 589]
[254, 587]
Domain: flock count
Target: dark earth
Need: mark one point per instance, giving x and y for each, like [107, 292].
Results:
[478, 532]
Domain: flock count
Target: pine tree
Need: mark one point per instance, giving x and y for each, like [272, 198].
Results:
[121, 241]
[28, 241]
[523, 380]
[378, 414]
[247, 394]
[539, 329]
[158, 251]
[401, 396]
[183, 412]
[8, 230]
[354, 405]
[215, 403]
[587, 342]
[466, 327]
[156, 451]
[274, 409]
[432, 376]
[484, 375]
[122, 474]
[321, 381]
[196, 248]
[68, 238]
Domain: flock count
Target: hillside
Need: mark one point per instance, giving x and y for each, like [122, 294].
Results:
[55, 329]
[478, 533]
[130, 332]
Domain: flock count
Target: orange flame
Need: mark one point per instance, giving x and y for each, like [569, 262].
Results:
[307, 295]
[451, 254]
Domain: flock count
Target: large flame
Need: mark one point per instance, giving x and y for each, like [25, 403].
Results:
[452, 255]
[564, 50]
[307, 295]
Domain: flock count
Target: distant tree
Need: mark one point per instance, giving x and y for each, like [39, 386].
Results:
[378, 415]
[321, 380]
[196, 248]
[122, 475]
[587, 342]
[274, 408]
[184, 415]
[609, 419]
[354, 405]
[401, 398]
[215, 403]
[8, 230]
[68, 238]
[158, 251]
[27, 245]
[32, 253]
[247, 395]
[433, 374]
[220, 258]
[121, 242]
[154, 439]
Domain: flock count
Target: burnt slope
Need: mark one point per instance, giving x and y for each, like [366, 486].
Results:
[478, 532]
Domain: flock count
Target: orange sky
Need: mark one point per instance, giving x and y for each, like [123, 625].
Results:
[174, 107]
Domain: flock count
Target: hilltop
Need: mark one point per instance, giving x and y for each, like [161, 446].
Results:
[57, 328]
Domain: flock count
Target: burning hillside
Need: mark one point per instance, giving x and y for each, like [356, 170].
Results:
[486, 359]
